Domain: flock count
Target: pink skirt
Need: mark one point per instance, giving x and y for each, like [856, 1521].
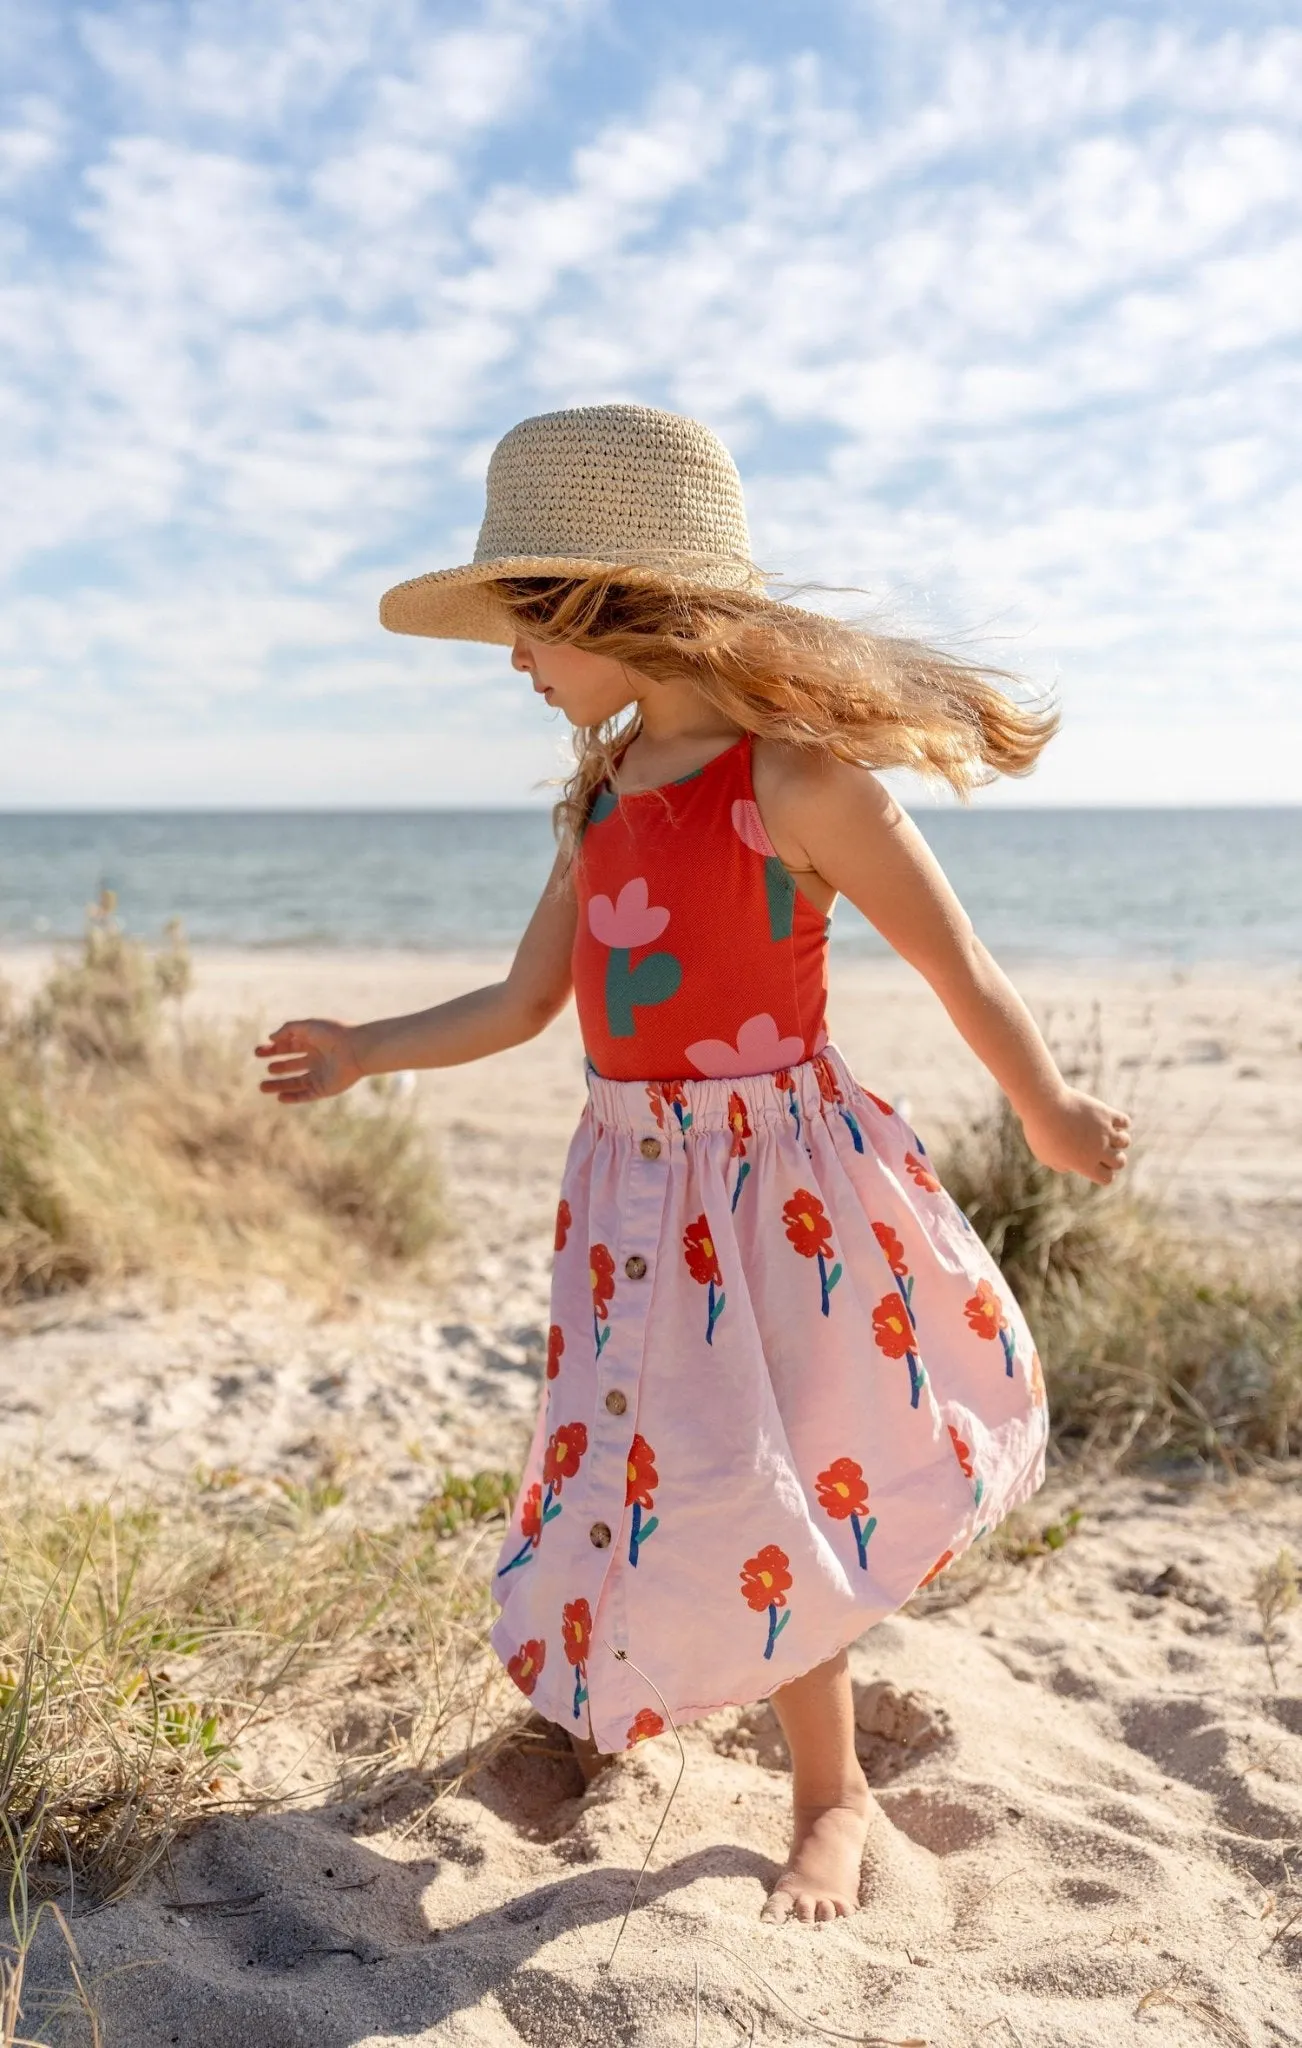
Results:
[786, 1385]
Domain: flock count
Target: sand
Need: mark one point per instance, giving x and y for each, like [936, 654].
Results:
[1090, 1812]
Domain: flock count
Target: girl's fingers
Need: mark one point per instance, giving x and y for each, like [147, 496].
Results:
[295, 1064]
[285, 1038]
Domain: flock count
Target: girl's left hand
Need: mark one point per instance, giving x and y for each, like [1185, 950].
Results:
[1076, 1133]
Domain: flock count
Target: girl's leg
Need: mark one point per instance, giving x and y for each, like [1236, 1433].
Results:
[829, 1793]
[589, 1758]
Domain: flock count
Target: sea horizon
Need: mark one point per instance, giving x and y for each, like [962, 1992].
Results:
[1174, 882]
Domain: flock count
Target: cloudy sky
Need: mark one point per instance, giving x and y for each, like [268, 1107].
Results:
[998, 307]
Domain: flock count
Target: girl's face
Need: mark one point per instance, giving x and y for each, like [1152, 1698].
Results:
[588, 688]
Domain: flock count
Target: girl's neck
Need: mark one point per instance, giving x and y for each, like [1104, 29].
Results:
[674, 714]
[678, 732]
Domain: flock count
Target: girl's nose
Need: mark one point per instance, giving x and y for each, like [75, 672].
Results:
[520, 658]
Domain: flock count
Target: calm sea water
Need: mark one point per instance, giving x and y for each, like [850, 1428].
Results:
[1160, 884]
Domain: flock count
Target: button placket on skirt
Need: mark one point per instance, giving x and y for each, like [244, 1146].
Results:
[642, 1194]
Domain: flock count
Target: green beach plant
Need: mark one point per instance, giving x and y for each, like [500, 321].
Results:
[1151, 1345]
[132, 1139]
[147, 1651]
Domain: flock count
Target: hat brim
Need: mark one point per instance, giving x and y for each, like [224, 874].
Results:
[457, 604]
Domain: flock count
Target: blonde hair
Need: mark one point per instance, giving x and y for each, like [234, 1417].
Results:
[782, 674]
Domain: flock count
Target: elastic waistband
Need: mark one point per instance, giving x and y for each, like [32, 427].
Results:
[684, 1107]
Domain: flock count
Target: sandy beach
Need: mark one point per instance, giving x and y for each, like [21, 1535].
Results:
[1090, 1789]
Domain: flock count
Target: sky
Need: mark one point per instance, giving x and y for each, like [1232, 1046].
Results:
[997, 306]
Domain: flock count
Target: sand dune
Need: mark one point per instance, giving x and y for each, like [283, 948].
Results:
[1090, 1803]
[1090, 1791]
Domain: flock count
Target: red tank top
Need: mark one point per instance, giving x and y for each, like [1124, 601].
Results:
[695, 953]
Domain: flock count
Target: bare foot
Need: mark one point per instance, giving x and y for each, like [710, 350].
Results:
[821, 1880]
[589, 1758]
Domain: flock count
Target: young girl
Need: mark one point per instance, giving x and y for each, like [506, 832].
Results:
[786, 1384]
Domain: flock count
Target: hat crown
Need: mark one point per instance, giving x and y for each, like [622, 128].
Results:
[618, 484]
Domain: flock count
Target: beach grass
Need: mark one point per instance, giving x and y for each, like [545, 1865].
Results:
[134, 1140]
[162, 1663]
[1154, 1346]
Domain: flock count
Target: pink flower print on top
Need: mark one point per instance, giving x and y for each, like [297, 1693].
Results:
[749, 827]
[631, 921]
[779, 887]
[759, 1049]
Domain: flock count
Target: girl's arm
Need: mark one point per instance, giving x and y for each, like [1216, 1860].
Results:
[839, 822]
[314, 1057]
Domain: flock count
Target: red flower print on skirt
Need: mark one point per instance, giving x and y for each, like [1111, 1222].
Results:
[963, 1452]
[784, 1084]
[765, 1583]
[642, 1475]
[564, 1218]
[842, 1489]
[830, 1090]
[739, 1125]
[843, 1494]
[810, 1232]
[673, 1093]
[601, 1273]
[985, 1314]
[526, 1665]
[564, 1454]
[891, 1246]
[922, 1174]
[828, 1085]
[645, 1723]
[555, 1350]
[561, 1460]
[576, 1636]
[531, 1516]
[893, 1330]
[643, 1480]
[703, 1265]
[946, 1557]
[890, 1333]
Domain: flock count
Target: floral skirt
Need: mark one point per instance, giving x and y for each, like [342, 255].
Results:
[786, 1385]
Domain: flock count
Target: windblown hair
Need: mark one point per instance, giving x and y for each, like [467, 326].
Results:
[783, 674]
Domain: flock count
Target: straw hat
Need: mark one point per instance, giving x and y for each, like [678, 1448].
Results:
[597, 487]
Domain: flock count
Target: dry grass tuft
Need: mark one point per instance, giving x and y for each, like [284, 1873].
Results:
[156, 1665]
[1150, 1345]
[1275, 1592]
[131, 1141]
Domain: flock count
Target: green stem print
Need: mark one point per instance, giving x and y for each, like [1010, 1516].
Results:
[780, 890]
[654, 980]
[626, 925]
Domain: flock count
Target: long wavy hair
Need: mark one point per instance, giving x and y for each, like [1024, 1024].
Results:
[783, 674]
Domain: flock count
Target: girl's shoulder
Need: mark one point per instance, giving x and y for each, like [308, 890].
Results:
[791, 777]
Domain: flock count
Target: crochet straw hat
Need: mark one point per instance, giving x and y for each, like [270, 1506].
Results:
[598, 487]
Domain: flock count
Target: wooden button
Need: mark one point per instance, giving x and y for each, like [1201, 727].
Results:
[599, 1535]
[650, 1148]
[616, 1402]
[635, 1267]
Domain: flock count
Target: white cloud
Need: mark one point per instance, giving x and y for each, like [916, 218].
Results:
[998, 322]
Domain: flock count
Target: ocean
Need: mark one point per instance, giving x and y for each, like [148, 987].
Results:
[1156, 885]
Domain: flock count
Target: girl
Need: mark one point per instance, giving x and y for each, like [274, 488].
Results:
[785, 1384]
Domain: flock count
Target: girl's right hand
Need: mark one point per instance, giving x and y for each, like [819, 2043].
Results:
[310, 1059]
[1076, 1133]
